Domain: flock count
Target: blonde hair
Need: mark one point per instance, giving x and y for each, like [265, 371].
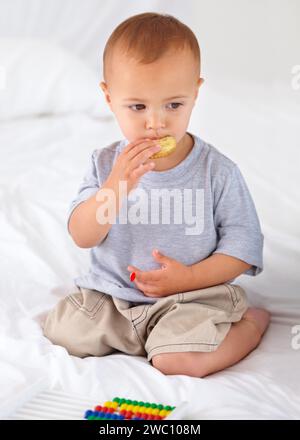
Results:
[148, 36]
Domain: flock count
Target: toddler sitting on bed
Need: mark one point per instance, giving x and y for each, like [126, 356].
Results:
[182, 309]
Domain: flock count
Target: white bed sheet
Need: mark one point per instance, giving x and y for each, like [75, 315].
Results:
[42, 163]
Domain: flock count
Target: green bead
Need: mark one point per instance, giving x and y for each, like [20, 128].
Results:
[116, 399]
[168, 408]
[128, 401]
[160, 406]
[153, 405]
[122, 401]
[135, 403]
[141, 403]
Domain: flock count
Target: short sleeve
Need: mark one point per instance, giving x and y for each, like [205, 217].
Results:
[237, 224]
[89, 186]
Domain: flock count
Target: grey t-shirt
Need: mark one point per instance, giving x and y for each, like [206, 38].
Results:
[200, 207]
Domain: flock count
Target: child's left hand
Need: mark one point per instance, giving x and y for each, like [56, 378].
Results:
[172, 277]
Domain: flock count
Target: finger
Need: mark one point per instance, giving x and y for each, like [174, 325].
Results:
[140, 147]
[133, 144]
[151, 276]
[144, 287]
[142, 169]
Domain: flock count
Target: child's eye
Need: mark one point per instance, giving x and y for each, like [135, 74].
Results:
[178, 104]
[175, 103]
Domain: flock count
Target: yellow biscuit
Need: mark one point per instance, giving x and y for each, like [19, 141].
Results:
[168, 146]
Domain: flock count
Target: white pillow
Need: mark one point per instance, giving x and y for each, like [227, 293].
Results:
[38, 77]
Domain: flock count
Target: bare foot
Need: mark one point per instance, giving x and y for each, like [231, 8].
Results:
[259, 317]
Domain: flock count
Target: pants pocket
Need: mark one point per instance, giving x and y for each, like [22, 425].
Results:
[88, 301]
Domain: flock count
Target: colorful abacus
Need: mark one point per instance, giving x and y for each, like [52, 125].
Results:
[125, 409]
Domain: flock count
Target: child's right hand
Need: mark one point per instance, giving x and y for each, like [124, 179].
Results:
[133, 162]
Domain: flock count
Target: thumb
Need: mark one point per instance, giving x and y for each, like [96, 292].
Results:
[159, 256]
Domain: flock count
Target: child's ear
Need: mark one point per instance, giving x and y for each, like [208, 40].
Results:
[103, 86]
[200, 81]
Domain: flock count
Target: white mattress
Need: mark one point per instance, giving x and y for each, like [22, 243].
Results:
[42, 162]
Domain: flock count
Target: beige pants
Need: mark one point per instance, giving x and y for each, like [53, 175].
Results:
[92, 323]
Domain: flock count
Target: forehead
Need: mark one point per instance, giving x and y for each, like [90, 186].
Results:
[175, 69]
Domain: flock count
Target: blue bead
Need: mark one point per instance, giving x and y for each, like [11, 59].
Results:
[88, 413]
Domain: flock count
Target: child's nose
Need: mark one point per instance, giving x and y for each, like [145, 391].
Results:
[156, 121]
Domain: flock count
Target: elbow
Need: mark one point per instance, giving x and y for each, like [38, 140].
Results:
[82, 244]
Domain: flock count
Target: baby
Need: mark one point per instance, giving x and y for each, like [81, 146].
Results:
[182, 309]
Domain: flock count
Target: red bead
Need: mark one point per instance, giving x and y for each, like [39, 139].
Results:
[111, 410]
[98, 408]
[132, 276]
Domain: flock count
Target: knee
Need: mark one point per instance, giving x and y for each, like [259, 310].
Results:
[179, 363]
[160, 362]
[61, 329]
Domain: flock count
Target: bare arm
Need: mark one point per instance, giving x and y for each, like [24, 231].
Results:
[84, 227]
[133, 162]
[214, 270]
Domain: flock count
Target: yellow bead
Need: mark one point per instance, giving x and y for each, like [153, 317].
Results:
[143, 409]
[155, 412]
[163, 412]
[107, 404]
[114, 405]
[123, 406]
[148, 411]
[136, 409]
[129, 407]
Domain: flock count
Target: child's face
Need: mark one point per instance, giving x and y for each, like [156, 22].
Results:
[156, 110]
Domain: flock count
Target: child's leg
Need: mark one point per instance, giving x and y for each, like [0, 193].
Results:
[241, 339]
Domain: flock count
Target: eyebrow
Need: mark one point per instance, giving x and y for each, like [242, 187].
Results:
[145, 100]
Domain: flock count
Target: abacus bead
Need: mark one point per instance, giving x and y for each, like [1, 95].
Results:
[88, 413]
